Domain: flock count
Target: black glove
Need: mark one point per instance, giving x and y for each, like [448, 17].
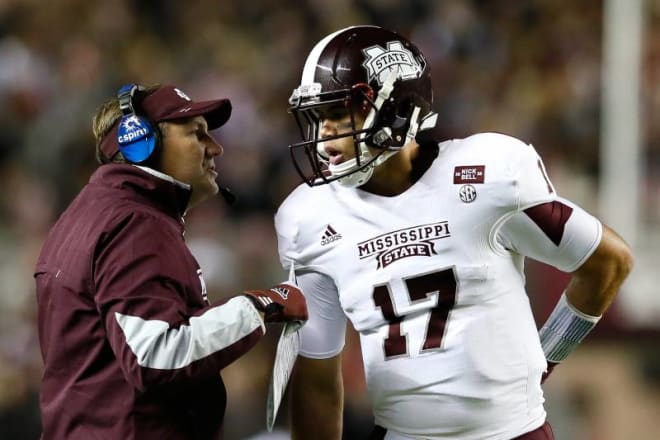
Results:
[284, 302]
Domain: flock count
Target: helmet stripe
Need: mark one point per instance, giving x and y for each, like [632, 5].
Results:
[315, 54]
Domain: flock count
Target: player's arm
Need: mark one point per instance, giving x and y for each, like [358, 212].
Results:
[594, 285]
[317, 393]
[565, 236]
[317, 399]
[591, 290]
[557, 232]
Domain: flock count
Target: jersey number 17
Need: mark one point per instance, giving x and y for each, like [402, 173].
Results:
[419, 288]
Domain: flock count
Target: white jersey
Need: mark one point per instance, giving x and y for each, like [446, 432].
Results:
[432, 279]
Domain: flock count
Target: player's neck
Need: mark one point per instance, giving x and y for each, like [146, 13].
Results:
[395, 175]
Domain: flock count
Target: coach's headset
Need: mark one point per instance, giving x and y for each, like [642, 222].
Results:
[136, 135]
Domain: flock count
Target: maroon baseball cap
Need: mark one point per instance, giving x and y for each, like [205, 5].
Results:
[168, 103]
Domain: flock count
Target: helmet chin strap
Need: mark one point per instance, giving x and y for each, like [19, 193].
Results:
[362, 176]
[356, 178]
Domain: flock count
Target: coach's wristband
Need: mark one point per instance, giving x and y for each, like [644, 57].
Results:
[565, 328]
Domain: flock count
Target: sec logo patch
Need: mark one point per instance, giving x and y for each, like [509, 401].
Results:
[467, 193]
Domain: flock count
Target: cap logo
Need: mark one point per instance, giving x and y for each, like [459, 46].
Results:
[379, 62]
[181, 94]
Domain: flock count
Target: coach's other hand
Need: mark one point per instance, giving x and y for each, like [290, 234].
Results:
[284, 302]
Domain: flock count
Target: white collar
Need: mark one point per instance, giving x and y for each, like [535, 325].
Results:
[162, 176]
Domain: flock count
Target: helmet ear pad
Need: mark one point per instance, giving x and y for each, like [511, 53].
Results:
[391, 124]
[397, 114]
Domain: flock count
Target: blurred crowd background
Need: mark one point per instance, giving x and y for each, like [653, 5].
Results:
[529, 68]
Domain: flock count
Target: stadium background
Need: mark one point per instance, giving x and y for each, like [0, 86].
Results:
[532, 69]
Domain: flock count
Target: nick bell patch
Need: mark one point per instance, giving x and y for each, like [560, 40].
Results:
[469, 174]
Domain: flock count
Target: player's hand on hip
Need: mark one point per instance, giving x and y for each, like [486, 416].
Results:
[280, 303]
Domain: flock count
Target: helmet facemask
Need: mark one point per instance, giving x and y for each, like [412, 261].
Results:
[380, 79]
[385, 129]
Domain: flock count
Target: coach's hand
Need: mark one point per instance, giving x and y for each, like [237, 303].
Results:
[284, 302]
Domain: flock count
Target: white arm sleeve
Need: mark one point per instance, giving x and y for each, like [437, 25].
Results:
[558, 233]
[323, 335]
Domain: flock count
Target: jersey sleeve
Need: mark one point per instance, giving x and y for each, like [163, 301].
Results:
[558, 233]
[286, 228]
[144, 281]
[532, 183]
[541, 225]
[324, 333]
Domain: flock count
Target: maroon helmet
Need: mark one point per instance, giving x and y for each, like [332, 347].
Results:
[360, 68]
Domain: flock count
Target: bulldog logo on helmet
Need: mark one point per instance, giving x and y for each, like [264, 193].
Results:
[380, 62]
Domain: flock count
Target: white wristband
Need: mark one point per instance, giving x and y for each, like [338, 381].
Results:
[565, 328]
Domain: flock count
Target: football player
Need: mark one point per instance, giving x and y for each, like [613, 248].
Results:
[420, 243]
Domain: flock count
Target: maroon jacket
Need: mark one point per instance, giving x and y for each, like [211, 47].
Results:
[132, 349]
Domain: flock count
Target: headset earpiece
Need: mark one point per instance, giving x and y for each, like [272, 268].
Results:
[136, 135]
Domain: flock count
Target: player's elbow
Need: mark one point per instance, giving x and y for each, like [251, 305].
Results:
[618, 260]
[625, 262]
[598, 280]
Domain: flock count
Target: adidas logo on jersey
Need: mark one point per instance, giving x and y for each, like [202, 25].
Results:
[329, 236]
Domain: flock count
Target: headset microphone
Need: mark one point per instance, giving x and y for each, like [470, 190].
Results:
[226, 194]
